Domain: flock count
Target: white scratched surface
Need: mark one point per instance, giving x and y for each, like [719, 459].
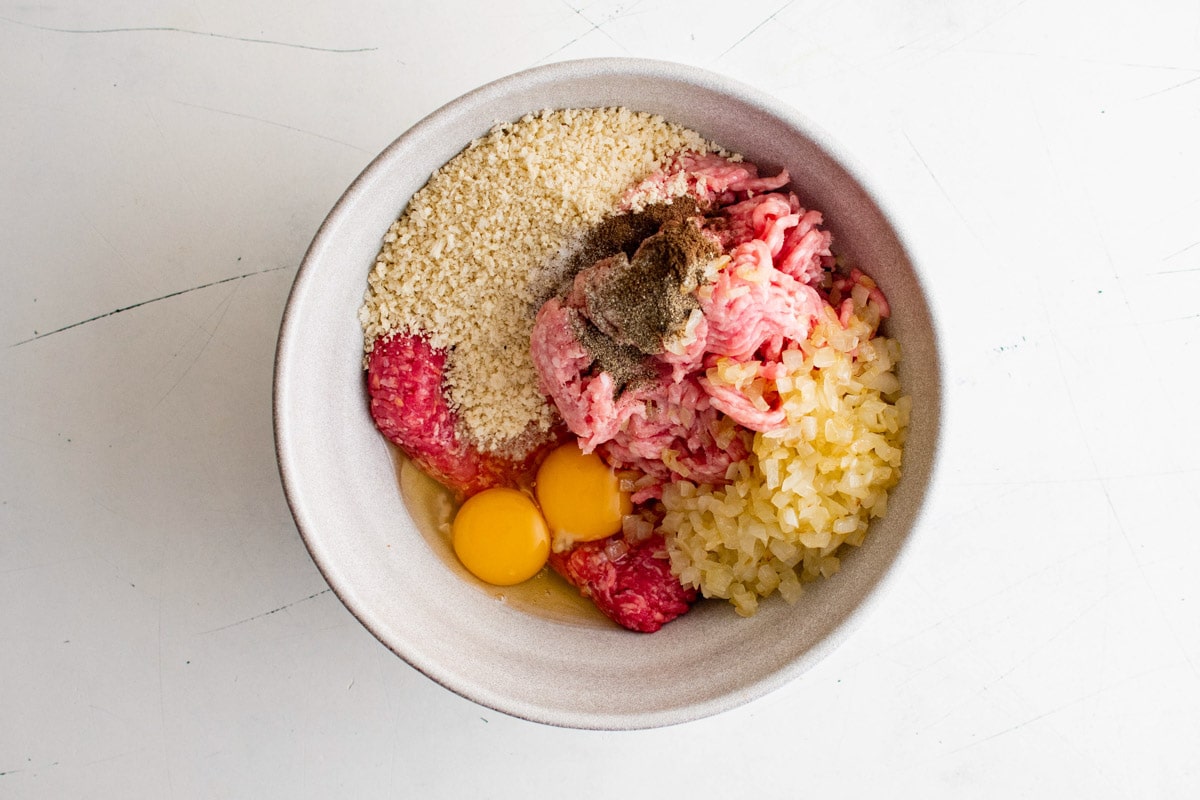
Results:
[164, 633]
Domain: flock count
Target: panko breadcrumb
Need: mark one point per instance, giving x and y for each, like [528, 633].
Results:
[456, 266]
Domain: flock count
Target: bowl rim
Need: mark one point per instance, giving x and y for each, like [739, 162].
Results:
[548, 74]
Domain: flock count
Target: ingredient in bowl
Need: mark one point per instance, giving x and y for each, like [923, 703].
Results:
[456, 267]
[405, 383]
[631, 584]
[580, 496]
[729, 417]
[501, 537]
[813, 483]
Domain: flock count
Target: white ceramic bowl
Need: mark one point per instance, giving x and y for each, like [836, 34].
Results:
[559, 663]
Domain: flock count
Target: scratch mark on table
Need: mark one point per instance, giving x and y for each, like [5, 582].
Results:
[162, 699]
[274, 124]
[755, 29]
[189, 32]
[1054, 637]
[141, 303]
[595, 26]
[44, 564]
[15, 771]
[1141, 568]
[111, 510]
[1112, 508]
[1057, 709]
[941, 188]
[1170, 88]
[1024, 482]
[1015, 587]
[224, 309]
[269, 613]
[1179, 253]
[1109, 62]
[106, 759]
[969, 35]
[553, 53]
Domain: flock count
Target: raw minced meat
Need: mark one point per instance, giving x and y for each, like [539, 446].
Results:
[409, 406]
[679, 424]
[635, 428]
[630, 584]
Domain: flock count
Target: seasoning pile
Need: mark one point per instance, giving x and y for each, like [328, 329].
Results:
[634, 358]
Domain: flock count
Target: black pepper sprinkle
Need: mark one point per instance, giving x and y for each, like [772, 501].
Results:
[638, 293]
[627, 366]
[620, 233]
[647, 300]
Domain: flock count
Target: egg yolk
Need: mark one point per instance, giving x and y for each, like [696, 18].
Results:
[501, 537]
[580, 496]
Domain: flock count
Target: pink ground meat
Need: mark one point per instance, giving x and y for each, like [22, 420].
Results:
[635, 428]
[711, 180]
[752, 306]
[633, 586]
[404, 380]
[683, 425]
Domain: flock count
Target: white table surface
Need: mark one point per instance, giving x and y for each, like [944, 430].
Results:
[164, 633]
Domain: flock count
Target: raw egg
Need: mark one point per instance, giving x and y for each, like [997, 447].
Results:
[580, 496]
[501, 537]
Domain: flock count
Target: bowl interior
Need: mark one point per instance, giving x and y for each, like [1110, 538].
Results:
[556, 662]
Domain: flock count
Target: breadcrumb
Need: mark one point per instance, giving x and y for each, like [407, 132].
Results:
[456, 266]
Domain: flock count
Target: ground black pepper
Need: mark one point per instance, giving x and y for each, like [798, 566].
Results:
[627, 366]
[646, 300]
[639, 275]
[622, 233]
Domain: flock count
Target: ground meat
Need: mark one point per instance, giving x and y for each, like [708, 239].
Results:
[408, 404]
[732, 320]
[631, 584]
[662, 428]
[753, 306]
